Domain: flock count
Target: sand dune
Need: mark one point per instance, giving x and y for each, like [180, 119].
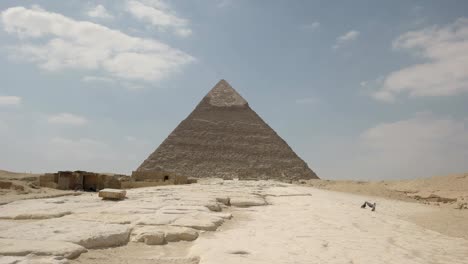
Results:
[439, 189]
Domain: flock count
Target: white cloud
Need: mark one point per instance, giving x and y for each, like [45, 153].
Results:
[82, 148]
[423, 145]
[88, 46]
[30, 144]
[106, 81]
[443, 72]
[99, 11]
[67, 119]
[133, 86]
[10, 100]
[312, 26]
[97, 79]
[345, 38]
[384, 96]
[160, 15]
[421, 135]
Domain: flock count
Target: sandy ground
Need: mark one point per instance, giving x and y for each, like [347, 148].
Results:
[317, 222]
[19, 186]
[438, 190]
[330, 227]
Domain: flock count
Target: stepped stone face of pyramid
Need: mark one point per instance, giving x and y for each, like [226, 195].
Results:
[223, 137]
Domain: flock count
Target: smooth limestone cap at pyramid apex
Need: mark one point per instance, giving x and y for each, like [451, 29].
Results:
[223, 137]
[223, 94]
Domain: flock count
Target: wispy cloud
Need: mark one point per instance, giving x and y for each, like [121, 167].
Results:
[419, 146]
[345, 38]
[67, 119]
[10, 100]
[99, 11]
[428, 142]
[314, 26]
[71, 154]
[111, 82]
[98, 79]
[160, 15]
[444, 51]
[71, 44]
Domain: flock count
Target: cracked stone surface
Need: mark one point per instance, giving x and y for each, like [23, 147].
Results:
[284, 224]
[22, 247]
[68, 226]
[158, 235]
[84, 233]
[32, 259]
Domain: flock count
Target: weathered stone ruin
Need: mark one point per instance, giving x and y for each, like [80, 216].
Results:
[224, 138]
[112, 194]
[153, 178]
[80, 180]
[90, 181]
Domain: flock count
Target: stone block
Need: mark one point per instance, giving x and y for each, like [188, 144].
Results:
[224, 200]
[113, 194]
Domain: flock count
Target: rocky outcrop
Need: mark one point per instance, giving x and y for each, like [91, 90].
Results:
[223, 137]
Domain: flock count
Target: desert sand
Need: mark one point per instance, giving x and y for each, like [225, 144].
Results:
[19, 186]
[232, 221]
[437, 190]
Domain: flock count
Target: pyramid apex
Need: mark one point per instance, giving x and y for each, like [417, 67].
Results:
[224, 95]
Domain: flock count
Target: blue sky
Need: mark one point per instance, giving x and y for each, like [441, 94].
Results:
[359, 89]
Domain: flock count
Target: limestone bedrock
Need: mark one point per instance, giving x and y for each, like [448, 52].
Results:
[284, 224]
[68, 226]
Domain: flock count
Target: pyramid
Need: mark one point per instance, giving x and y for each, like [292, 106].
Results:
[223, 137]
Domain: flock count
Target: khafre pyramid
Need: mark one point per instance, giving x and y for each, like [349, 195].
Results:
[223, 137]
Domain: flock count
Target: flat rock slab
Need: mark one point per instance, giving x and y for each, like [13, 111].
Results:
[222, 215]
[184, 209]
[20, 247]
[148, 236]
[158, 219]
[200, 221]
[158, 235]
[85, 233]
[7, 224]
[31, 259]
[113, 194]
[32, 209]
[247, 201]
[104, 218]
[48, 208]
